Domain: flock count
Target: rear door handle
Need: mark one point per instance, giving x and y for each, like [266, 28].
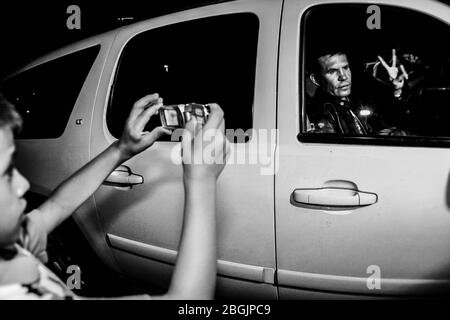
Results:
[334, 197]
[123, 177]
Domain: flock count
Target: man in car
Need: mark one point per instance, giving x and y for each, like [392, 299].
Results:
[335, 109]
[23, 237]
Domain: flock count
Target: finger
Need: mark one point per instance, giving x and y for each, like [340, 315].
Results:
[140, 106]
[222, 126]
[215, 117]
[142, 103]
[399, 81]
[189, 129]
[187, 141]
[219, 133]
[405, 74]
[150, 137]
[198, 126]
[385, 65]
[226, 152]
[220, 145]
[394, 58]
[144, 117]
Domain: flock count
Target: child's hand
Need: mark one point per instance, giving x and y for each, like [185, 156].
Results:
[205, 149]
[134, 139]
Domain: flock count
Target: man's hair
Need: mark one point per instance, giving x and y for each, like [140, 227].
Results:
[9, 117]
[313, 61]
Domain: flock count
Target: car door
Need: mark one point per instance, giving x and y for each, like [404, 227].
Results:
[224, 53]
[361, 216]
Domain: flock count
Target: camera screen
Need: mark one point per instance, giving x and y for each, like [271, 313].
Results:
[171, 117]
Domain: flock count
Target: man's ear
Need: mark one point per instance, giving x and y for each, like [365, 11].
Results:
[312, 77]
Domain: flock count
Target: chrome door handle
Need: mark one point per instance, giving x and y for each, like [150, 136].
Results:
[333, 197]
[123, 177]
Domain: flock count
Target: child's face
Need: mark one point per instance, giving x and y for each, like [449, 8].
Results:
[13, 186]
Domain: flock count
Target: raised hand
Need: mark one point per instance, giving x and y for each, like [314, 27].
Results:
[396, 76]
[134, 139]
[205, 148]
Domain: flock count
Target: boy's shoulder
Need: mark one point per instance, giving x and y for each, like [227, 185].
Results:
[25, 278]
[20, 269]
[19, 262]
[20, 265]
[23, 274]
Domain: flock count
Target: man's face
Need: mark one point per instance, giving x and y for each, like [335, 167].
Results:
[13, 186]
[335, 75]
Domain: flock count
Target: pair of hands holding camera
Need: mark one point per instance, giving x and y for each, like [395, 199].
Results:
[135, 140]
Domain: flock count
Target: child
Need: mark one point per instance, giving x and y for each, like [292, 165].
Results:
[23, 237]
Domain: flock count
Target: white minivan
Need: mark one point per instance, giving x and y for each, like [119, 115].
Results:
[300, 214]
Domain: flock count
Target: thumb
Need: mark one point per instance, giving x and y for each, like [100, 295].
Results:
[190, 126]
[154, 135]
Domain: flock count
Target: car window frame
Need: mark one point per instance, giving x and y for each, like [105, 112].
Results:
[95, 52]
[334, 138]
[117, 68]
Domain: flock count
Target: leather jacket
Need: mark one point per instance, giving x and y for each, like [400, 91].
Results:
[353, 115]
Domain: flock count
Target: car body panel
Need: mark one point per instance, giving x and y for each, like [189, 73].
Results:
[151, 214]
[58, 158]
[404, 235]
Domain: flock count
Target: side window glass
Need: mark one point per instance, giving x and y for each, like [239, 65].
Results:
[377, 73]
[201, 61]
[46, 94]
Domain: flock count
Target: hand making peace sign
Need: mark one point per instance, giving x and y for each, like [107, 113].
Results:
[397, 78]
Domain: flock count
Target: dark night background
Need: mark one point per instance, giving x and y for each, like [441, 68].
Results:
[29, 29]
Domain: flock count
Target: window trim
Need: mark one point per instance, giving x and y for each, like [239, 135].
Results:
[395, 141]
[95, 48]
[331, 138]
[113, 84]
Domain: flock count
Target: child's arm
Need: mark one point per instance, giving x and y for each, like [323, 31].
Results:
[69, 195]
[194, 276]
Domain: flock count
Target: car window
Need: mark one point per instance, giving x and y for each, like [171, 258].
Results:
[46, 94]
[202, 61]
[348, 91]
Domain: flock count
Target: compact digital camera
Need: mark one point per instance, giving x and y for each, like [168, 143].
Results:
[177, 115]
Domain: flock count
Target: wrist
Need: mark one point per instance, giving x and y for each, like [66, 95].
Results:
[196, 182]
[121, 152]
